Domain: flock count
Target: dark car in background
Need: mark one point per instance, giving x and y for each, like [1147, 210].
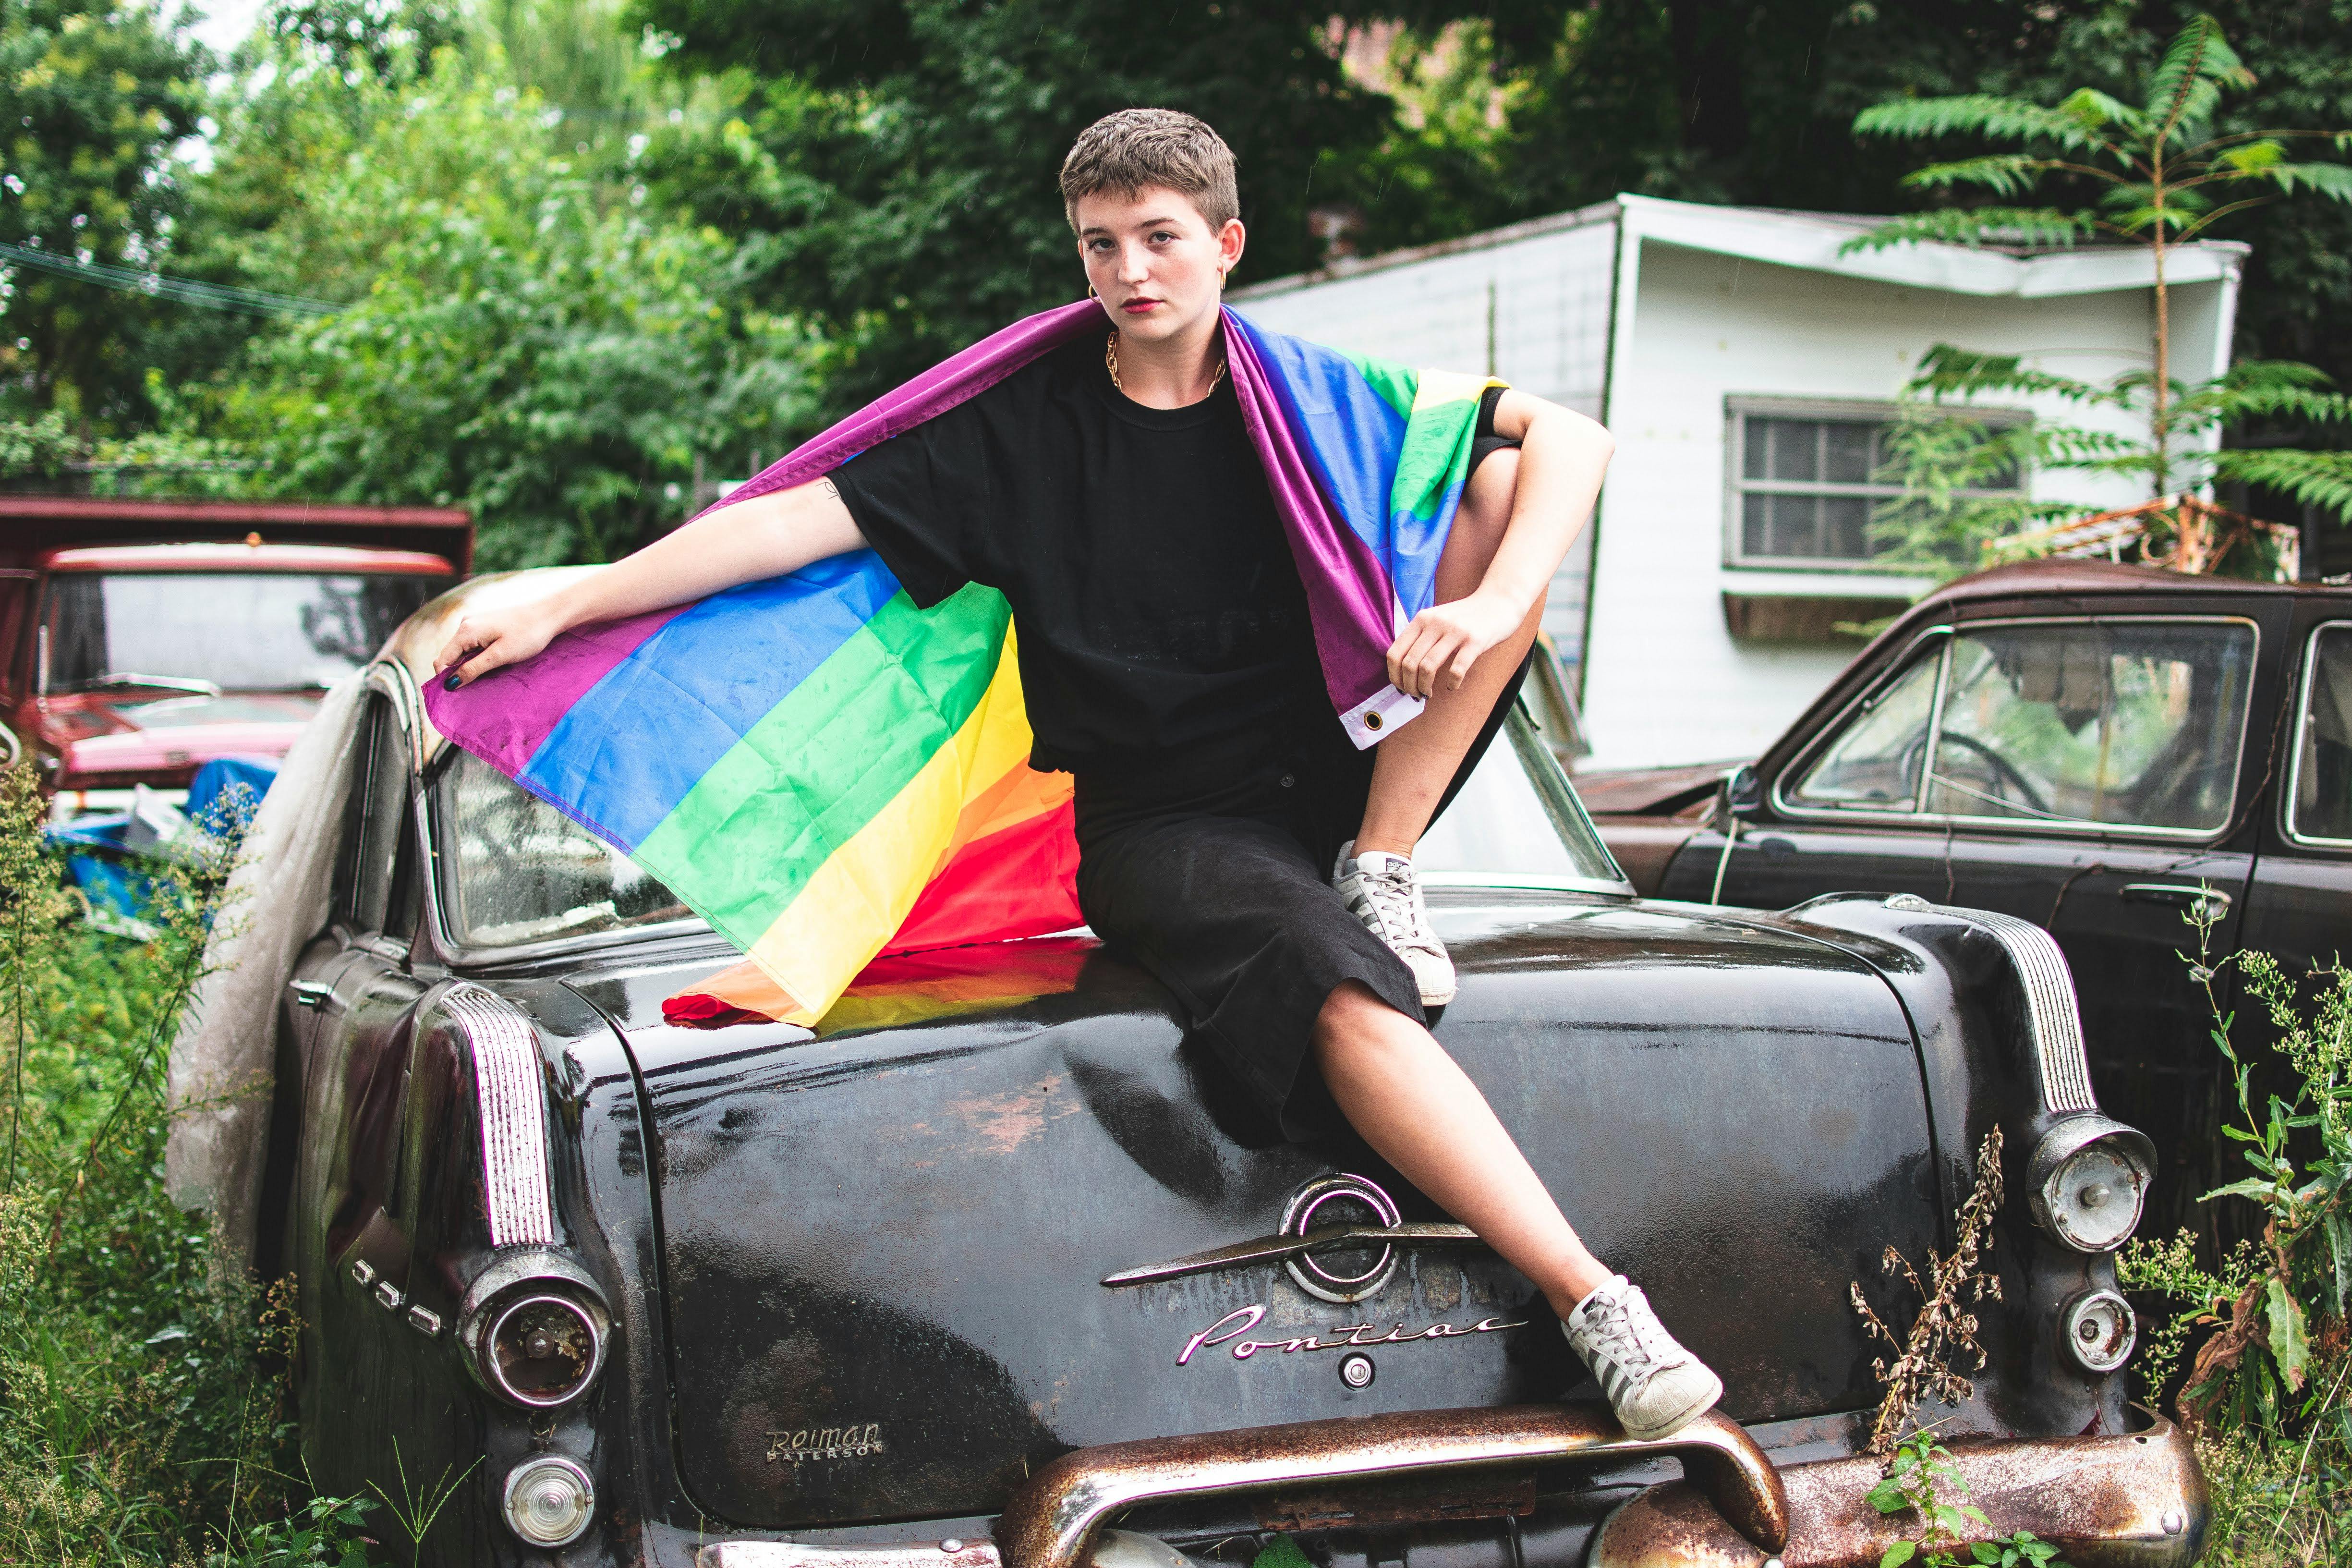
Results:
[2092, 748]
[141, 639]
[983, 1271]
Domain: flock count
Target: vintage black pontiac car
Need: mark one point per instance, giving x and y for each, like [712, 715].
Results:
[2093, 748]
[982, 1273]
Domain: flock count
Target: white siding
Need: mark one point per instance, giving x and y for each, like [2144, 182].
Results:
[1699, 320]
[1533, 311]
[1665, 681]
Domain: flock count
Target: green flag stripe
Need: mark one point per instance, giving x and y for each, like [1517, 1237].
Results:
[824, 762]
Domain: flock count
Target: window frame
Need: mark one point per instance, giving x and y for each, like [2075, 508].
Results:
[1783, 807]
[2301, 721]
[1737, 487]
[438, 866]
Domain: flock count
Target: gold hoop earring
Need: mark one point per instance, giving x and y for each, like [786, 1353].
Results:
[1092, 295]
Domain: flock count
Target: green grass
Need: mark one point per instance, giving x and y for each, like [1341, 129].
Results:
[144, 1416]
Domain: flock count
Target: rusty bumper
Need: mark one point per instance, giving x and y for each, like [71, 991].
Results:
[2132, 1502]
[1052, 1523]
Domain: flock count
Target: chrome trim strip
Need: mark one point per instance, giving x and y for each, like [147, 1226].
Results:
[2294, 742]
[1277, 1247]
[1784, 809]
[506, 1085]
[2051, 1011]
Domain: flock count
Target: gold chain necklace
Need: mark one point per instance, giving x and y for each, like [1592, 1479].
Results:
[1110, 364]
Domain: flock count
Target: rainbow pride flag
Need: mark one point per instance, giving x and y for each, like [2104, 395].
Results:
[828, 774]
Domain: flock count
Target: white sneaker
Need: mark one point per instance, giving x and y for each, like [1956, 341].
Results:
[1380, 892]
[1656, 1387]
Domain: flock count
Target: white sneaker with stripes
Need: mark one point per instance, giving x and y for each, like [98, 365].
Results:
[1656, 1387]
[1379, 890]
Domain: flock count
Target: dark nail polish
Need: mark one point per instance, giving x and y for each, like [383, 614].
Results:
[452, 681]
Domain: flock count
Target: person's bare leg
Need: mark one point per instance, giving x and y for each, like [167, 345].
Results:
[1411, 768]
[1415, 1106]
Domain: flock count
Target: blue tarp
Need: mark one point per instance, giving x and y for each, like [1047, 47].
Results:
[217, 784]
[107, 859]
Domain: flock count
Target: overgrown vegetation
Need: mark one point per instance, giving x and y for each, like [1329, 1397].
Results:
[2267, 1390]
[1928, 1358]
[143, 1408]
[1921, 1479]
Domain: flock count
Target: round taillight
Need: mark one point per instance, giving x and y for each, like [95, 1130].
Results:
[542, 1349]
[550, 1501]
[2090, 1179]
[2099, 1328]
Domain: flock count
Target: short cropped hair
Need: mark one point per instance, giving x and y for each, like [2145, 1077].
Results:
[1138, 147]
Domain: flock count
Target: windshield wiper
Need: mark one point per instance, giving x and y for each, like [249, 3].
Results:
[161, 682]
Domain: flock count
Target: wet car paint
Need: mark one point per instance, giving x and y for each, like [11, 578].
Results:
[851, 1225]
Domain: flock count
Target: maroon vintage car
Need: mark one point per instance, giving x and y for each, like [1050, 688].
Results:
[141, 639]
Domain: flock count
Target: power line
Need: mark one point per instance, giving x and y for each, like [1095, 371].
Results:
[185, 290]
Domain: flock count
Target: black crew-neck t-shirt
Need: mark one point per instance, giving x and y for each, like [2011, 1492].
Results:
[1160, 617]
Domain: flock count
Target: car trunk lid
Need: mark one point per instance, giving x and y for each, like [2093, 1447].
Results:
[885, 1248]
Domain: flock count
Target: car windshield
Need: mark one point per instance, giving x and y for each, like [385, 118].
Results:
[517, 870]
[229, 631]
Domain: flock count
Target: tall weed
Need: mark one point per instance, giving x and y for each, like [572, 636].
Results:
[2267, 1387]
[143, 1409]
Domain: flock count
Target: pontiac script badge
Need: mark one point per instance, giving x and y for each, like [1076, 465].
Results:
[1229, 1328]
[808, 1443]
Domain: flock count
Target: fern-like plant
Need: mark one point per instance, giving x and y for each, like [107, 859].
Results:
[2156, 173]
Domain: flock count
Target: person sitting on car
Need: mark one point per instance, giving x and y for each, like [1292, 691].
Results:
[1232, 837]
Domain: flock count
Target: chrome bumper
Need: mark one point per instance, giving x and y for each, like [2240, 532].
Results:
[2133, 1501]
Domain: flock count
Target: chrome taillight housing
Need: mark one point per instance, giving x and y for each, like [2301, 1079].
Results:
[2099, 1328]
[2088, 1182]
[534, 1329]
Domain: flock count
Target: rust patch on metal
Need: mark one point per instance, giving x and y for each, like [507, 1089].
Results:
[1052, 1523]
[2132, 1502]
[1394, 1502]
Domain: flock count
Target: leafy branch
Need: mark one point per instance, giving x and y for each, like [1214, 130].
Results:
[2154, 174]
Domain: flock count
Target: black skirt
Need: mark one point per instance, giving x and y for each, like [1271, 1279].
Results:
[1215, 875]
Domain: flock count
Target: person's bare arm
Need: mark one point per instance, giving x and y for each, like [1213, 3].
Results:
[1563, 459]
[766, 536]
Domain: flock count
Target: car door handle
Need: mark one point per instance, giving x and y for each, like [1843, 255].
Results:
[311, 993]
[2188, 895]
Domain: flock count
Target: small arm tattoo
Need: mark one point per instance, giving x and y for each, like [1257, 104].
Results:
[829, 488]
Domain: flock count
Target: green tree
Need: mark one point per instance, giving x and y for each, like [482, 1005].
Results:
[888, 169]
[2157, 172]
[92, 102]
[528, 341]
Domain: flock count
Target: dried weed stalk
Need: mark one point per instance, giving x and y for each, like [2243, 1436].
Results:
[1945, 1333]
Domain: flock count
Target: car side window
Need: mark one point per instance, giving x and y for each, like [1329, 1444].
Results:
[2130, 723]
[1875, 764]
[374, 823]
[2321, 803]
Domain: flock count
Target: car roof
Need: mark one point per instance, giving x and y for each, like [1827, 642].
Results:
[2051, 576]
[252, 556]
[420, 636]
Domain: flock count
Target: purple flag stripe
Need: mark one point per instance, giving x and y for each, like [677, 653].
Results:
[506, 716]
[1348, 594]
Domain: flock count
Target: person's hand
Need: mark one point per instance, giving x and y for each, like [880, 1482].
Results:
[487, 638]
[1435, 652]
